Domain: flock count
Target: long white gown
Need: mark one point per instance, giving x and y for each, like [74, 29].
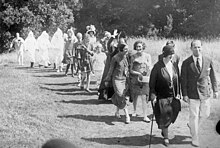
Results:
[44, 46]
[30, 46]
[57, 48]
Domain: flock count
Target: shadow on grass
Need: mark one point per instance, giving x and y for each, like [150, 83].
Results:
[61, 84]
[51, 75]
[82, 93]
[23, 68]
[95, 118]
[40, 70]
[72, 91]
[61, 90]
[86, 102]
[138, 140]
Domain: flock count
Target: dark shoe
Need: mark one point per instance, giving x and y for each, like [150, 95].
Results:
[162, 134]
[166, 142]
[32, 64]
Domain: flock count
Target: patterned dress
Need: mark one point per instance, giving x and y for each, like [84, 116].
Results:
[84, 57]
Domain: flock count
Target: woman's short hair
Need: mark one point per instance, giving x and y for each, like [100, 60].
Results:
[141, 42]
[170, 43]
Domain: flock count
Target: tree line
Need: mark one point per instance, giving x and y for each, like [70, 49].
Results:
[157, 18]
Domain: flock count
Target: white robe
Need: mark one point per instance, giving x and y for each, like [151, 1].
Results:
[44, 46]
[57, 47]
[30, 46]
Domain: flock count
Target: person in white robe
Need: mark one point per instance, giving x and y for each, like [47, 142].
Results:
[31, 46]
[57, 43]
[44, 45]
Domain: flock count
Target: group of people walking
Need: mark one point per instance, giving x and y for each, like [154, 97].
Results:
[124, 77]
[132, 76]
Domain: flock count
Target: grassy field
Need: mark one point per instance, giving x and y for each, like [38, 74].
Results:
[40, 104]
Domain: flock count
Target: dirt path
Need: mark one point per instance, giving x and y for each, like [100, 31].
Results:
[40, 104]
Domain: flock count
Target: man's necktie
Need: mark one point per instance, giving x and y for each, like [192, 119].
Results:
[198, 65]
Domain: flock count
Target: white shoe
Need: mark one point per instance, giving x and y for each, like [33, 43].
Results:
[195, 143]
[127, 120]
[134, 114]
[117, 115]
[146, 119]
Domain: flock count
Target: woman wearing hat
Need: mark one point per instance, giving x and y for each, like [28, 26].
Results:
[91, 31]
[118, 74]
[175, 58]
[139, 77]
[164, 92]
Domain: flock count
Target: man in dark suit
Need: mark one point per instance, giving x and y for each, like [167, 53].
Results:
[197, 80]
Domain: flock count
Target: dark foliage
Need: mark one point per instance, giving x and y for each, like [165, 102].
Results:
[158, 18]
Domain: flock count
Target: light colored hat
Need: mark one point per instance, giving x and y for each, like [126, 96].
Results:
[90, 28]
[107, 34]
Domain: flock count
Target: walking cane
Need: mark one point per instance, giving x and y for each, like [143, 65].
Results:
[152, 121]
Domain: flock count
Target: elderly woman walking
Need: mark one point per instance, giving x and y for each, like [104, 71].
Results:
[118, 74]
[139, 77]
[164, 92]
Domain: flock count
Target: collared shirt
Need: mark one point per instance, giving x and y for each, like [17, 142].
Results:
[200, 60]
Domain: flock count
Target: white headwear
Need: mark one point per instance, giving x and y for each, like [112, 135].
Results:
[107, 34]
[30, 42]
[57, 40]
[90, 28]
[43, 40]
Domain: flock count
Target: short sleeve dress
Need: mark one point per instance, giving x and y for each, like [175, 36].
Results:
[140, 64]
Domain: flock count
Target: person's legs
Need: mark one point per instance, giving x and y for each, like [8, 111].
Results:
[127, 117]
[165, 135]
[83, 77]
[32, 64]
[194, 107]
[72, 70]
[117, 114]
[54, 66]
[18, 58]
[22, 59]
[204, 110]
[67, 68]
[88, 82]
[134, 98]
[144, 107]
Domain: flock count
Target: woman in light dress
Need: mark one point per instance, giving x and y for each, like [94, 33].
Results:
[139, 77]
